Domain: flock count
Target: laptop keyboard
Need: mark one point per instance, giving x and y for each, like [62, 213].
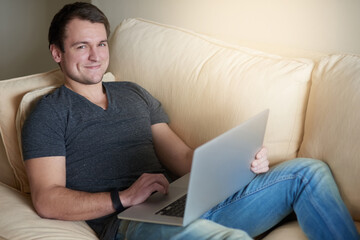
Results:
[174, 209]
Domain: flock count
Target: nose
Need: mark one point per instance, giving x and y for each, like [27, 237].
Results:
[93, 54]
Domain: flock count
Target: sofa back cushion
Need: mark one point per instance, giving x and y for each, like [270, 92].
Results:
[207, 86]
[332, 126]
[11, 93]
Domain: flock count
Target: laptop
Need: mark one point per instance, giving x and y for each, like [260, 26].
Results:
[219, 169]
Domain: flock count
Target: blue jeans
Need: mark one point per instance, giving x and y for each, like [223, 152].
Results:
[305, 186]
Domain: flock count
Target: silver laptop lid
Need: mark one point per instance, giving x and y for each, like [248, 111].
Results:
[232, 152]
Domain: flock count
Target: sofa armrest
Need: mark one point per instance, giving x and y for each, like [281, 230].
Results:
[18, 220]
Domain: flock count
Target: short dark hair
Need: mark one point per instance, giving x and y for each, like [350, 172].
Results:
[77, 10]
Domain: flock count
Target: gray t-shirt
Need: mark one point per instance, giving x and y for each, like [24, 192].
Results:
[104, 149]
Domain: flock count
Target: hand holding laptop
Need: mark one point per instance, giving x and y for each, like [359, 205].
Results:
[261, 162]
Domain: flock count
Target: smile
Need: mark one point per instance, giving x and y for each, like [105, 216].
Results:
[93, 67]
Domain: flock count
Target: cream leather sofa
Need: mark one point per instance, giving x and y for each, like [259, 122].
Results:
[206, 86]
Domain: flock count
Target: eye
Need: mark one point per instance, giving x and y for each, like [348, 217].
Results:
[102, 44]
[81, 47]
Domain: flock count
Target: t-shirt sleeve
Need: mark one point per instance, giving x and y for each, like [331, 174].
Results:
[157, 113]
[43, 133]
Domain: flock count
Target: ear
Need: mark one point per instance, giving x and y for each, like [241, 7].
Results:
[56, 53]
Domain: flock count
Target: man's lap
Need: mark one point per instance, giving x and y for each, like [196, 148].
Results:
[254, 209]
[264, 202]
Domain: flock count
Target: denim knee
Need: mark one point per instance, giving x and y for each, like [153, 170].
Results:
[314, 165]
[313, 169]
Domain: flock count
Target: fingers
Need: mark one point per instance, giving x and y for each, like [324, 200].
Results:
[260, 167]
[159, 184]
[149, 183]
[261, 163]
[142, 188]
[262, 153]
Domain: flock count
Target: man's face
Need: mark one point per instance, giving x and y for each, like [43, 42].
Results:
[86, 53]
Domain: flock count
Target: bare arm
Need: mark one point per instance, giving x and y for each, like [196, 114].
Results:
[51, 198]
[171, 150]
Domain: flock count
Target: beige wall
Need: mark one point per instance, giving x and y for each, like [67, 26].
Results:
[274, 25]
[24, 26]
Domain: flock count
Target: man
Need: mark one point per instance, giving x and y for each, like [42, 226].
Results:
[92, 149]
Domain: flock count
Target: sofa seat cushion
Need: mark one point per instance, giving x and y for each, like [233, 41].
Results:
[290, 230]
[20, 221]
[207, 86]
[332, 126]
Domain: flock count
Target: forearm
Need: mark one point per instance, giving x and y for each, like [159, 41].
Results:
[66, 204]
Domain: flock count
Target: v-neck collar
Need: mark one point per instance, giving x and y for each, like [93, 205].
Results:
[91, 103]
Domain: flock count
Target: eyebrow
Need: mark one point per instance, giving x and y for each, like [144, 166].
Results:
[85, 42]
